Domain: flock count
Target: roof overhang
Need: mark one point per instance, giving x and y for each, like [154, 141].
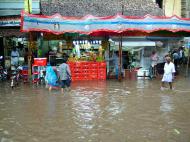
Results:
[111, 25]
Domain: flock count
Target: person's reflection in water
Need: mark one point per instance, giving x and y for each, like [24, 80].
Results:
[51, 106]
[166, 104]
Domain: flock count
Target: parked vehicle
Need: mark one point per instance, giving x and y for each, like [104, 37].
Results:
[15, 76]
[3, 74]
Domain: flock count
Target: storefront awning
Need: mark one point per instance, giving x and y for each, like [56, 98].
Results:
[111, 25]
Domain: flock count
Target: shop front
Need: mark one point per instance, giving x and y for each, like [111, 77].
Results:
[107, 41]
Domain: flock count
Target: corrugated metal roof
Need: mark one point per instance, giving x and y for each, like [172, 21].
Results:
[101, 7]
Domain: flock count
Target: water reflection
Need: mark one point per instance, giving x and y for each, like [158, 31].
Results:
[166, 104]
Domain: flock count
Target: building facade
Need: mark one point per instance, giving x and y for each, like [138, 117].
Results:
[172, 7]
[185, 8]
[10, 35]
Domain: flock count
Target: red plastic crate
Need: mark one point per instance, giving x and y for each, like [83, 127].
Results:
[35, 80]
[35, 73]
[102, 64]
[25, 79]
[102, 78]
[40, 61]
[24, 72]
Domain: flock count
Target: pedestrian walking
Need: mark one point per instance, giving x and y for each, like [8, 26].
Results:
[51, 77]
[181, 55]
[64, 75]
[176, 58]
[169, 70]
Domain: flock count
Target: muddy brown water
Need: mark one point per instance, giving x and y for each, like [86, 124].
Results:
[96, 111]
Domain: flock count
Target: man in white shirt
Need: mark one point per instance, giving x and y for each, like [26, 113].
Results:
[169, 70]
[14, 57]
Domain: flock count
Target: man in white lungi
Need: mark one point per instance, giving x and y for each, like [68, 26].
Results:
[169, 70]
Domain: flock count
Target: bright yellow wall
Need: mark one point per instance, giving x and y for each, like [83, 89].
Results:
[172, 7]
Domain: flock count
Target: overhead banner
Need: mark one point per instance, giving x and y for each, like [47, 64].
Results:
[89, 24]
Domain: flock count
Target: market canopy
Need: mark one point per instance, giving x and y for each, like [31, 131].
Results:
[92, 25]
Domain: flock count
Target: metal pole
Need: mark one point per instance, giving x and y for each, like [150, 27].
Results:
[29, 47]
[120, 58]
[120, 51]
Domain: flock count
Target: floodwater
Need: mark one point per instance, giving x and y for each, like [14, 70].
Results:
[104, 111]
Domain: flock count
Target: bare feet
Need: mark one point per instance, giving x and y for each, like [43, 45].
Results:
[50, 88]
[62, 91]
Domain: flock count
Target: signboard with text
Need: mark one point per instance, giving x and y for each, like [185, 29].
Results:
[187, 42]
[9, 22]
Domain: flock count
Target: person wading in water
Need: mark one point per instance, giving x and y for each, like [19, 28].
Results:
[169, 70]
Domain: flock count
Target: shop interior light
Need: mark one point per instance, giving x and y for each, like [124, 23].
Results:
[110, 40]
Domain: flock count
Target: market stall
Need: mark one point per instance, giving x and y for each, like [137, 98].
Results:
[117, 25]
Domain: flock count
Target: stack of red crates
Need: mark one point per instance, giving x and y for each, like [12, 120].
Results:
[24, 73]
[101, 71]
[88, 70]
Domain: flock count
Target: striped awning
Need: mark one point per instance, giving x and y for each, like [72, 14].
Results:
[92, 25]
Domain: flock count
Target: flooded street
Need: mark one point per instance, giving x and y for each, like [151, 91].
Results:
[104, 111]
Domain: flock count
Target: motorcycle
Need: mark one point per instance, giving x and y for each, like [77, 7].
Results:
[3, 72]
[15, 76]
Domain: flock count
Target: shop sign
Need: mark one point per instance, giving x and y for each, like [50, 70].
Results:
[187, 41]
[6, 22]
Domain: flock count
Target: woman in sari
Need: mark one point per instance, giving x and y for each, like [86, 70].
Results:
[51, 77]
